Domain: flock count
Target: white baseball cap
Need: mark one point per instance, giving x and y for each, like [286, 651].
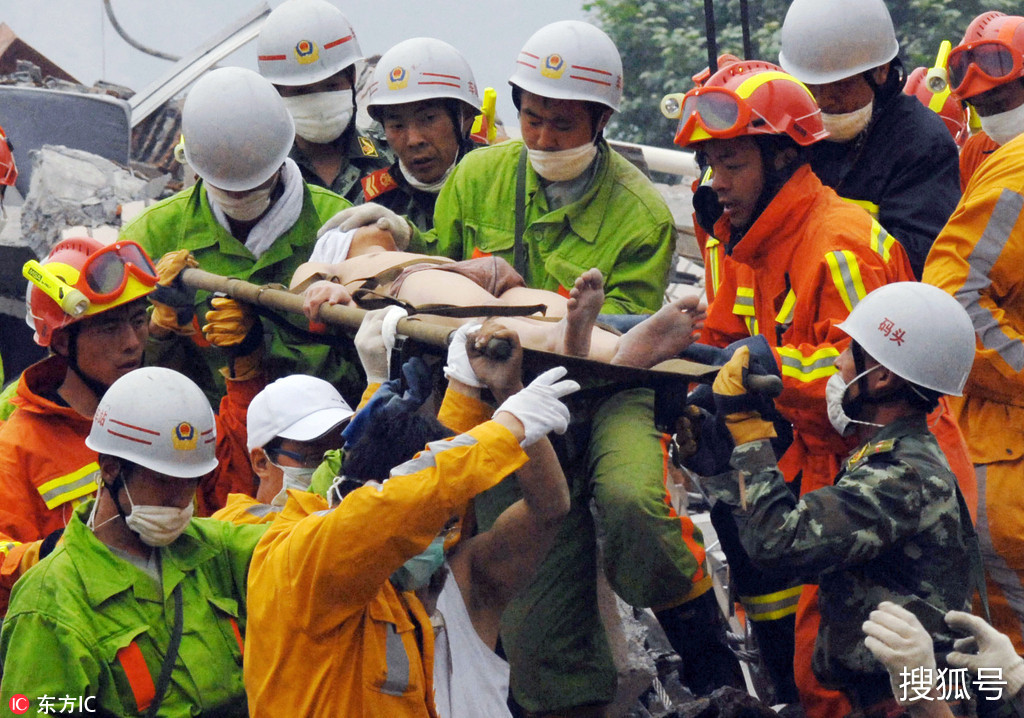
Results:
[297, 407]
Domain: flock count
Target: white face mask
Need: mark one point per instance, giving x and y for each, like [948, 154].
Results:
[245, 208]
[1004, 126]
[320, 117]
[295, 477]
[835, 390]
[844, 127]
[155, 525]
[431, 187]
[562, 165]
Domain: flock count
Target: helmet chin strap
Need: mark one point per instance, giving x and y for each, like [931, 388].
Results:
[97, 387]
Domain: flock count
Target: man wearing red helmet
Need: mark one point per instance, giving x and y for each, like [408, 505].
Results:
[795, 260]
[977, 258]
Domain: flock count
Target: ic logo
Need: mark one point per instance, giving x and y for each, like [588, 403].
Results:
[19, 704]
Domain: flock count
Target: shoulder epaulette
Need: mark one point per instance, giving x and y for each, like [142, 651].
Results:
[879, 447]
[377, 183]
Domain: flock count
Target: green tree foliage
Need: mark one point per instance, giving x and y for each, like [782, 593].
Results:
[663, 44]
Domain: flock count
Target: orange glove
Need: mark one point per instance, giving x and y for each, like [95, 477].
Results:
[736, 404]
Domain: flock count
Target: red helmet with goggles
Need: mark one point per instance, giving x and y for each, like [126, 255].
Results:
[8, 170]
[749, 97]
[81, 278]
[991, 54]
[942, 103]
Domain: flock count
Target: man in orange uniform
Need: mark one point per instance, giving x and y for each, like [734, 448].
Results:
[977, 258]
[797, 259]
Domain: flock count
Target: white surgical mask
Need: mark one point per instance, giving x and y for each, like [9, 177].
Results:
[835, 390]
[320, 117]
[562, 165]
[245, 208]
[431, 187]
[846, 126]
[1004, 126]
[295, 477]
[155, 525]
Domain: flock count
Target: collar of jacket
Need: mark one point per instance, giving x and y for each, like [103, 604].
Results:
[44, 377]
[200, 230]
[103, 574]
[586, 215]
[782, 220]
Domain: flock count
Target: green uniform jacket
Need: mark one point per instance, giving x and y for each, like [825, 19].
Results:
[363, 154]
[621, 225]
[185, 221]
[890, 529]
[71, 614]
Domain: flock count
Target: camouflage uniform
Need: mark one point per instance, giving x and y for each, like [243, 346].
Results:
[891, 528]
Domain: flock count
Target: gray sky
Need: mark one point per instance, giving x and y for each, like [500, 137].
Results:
[77, 36]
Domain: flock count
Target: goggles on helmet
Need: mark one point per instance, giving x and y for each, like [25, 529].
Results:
[104, 274]
[992, 59]
[719, 111]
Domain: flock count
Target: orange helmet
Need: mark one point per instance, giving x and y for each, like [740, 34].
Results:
[942, 103]
[8, 170]
[749, 97]
[991, 54]
[81, 278]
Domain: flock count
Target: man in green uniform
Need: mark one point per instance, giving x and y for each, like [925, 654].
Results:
[555, 204]
[894, 526]
[142, 609]
[250, 216]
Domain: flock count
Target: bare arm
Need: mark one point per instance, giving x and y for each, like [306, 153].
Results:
[491, 567]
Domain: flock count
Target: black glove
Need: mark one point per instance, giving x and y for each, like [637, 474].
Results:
[701, 443]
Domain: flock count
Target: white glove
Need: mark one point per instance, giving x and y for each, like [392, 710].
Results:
[375, 340]
[989, 649]
[898, 640]
[458, 366]
[332, 246]
[538, 407]
[367, 214]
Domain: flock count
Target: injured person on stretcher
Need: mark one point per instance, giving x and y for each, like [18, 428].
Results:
[370, 260]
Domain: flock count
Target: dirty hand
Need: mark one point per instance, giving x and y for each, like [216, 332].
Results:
[375, 340]
[367, 214]
[898, 640]
[538, 407]
[173, 302]
[701, 443]
[503, 375]
[323, 292]
[989, 649]
[740, 409]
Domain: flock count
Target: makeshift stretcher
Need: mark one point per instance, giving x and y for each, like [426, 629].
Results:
[670, 379]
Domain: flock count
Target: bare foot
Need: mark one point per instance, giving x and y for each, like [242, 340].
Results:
[585, 300]
[668, 332]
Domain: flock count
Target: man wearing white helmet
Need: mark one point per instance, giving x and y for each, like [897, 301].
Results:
[141, 609]
[894, 526]
[553, 205]
[426, 121]
[251, 216]
[885, 150]
[308, 50]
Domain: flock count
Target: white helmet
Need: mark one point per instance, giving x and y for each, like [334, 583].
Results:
[917, 331]
[305, 41]
[828, 40]
[159, 419]
[570, 60]
[236, 128]
[422, 69]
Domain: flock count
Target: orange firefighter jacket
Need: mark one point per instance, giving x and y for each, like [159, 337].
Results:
[978, 148]
[796, 274]
[978, 258]
[328, 634]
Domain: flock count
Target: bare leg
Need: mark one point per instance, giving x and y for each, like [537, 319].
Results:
[585, 300]
[670, 330]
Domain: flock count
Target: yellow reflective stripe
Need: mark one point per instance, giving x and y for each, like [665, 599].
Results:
[713, 248]
[744, 305]
[846, 276]
[871, 207]
[751, 323]
[818, 365]
[6, 548]
[70, 486]
[785, 315]
[881, 241]
[750, 85]
[772, 606]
